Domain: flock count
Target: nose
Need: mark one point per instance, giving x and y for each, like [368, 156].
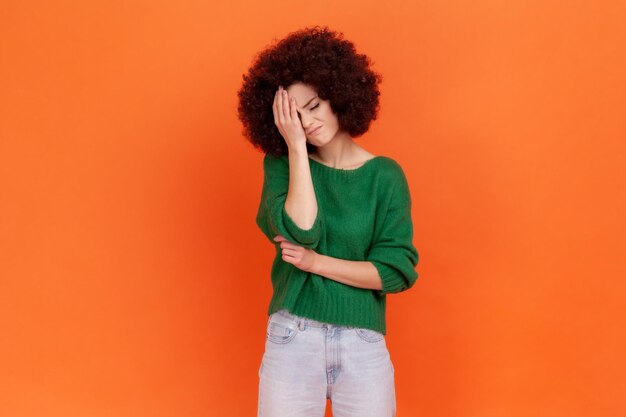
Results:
[306, 120]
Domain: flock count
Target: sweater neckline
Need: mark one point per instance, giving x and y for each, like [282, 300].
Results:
[343, 170]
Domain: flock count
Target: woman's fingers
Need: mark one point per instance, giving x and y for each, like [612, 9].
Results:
[282, 107]
[286, 117]
[287, 245]
[285, 103]
[290, 253]
[294, 111]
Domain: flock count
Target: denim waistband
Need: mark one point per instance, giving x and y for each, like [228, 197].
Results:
[305, 321]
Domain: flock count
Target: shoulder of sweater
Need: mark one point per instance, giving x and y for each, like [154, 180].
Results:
[397, 181]
[271, 162]
[269, 158]
[392, 167]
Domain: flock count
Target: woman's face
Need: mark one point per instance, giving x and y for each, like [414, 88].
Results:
[314, 113]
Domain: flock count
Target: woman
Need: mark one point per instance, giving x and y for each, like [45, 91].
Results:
[340, 219]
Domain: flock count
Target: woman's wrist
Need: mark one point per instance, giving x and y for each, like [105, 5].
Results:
[317, 265]
[298, 149]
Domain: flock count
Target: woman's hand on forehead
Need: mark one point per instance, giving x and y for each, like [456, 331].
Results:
[286, 118]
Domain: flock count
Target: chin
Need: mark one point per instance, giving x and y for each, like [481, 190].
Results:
[320, 141]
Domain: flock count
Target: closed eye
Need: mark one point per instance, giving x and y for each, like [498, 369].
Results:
[312, 108]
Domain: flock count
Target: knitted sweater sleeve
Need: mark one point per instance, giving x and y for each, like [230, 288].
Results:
[392, 252]
[272, 218]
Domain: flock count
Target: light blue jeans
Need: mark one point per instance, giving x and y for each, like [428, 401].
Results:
[307, 361]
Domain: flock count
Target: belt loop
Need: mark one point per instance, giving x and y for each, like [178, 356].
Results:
[301, 324]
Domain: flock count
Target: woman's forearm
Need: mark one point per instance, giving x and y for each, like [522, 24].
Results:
[362, 274]
[301, 204]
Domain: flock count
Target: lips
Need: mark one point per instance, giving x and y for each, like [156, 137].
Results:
[314, 130]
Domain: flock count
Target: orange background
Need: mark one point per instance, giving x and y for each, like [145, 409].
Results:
[135, 282]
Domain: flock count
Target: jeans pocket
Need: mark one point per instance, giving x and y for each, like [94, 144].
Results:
[281, 330]
[369, 335]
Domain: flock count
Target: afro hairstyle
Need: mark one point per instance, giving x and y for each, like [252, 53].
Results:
[321, 59]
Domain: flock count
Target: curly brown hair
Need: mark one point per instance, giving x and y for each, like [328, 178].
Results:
[322, 59]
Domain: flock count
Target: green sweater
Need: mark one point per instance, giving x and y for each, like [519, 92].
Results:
[364, 214]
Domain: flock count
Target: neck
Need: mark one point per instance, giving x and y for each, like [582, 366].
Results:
[339, 151]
